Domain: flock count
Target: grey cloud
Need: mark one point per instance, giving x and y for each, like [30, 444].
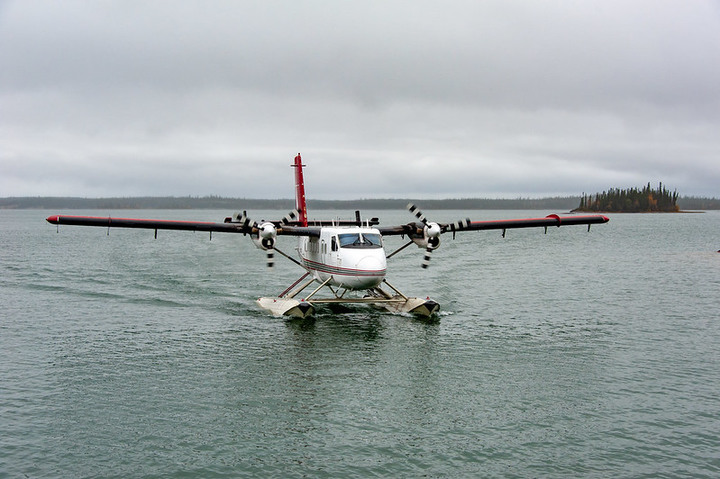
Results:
[441, 99]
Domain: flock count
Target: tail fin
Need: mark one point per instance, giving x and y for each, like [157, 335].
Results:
[300, 191]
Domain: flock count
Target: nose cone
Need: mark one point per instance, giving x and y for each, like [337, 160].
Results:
[369, 271]
[371, 264]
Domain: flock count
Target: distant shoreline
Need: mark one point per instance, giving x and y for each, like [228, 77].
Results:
[211, 202]
[564, 203]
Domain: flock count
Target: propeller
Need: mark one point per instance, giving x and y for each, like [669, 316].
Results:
[266, 232]
[431, 234]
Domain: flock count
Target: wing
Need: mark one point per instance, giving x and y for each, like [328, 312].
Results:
[289, 230]
[416, 229]
[550, 220]
[227, 227]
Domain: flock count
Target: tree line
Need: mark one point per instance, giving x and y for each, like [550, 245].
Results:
[232, 204]
[605, 202]
[632, 200]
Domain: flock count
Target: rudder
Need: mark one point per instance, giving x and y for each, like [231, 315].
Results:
[300, 204]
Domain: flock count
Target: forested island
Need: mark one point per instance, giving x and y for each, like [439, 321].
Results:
[635, 200]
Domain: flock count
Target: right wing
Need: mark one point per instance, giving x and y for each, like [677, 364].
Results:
[108, 222]
[229, 226]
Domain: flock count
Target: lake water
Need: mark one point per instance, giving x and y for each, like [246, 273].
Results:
[571, 354]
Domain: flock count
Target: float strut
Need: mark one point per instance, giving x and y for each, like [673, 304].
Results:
[395, 289]
[318, 288]
[294, 284]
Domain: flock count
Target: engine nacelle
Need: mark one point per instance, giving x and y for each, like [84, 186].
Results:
[431, 237]
[265, 239]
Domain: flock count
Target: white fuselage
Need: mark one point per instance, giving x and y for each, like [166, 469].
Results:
[351, 257]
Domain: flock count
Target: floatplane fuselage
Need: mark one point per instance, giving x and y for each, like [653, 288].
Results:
[347, 257]
[343, 257]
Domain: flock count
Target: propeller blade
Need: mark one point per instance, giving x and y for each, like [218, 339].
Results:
[457, 226]
[270, 257]
[426, 258]
[416, 211]
[244, 220]
[290, 217]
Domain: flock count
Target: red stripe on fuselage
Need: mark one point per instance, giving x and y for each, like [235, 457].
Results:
[330, 269]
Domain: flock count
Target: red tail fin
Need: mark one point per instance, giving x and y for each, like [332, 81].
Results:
[300, 191]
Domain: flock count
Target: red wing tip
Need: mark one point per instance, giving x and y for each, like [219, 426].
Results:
[53, 219]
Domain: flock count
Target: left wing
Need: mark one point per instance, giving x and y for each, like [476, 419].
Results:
[426, 234]
[550, 220]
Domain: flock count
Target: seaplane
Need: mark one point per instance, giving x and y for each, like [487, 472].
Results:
[346, 259]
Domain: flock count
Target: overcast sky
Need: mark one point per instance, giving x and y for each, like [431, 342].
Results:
[383, 98]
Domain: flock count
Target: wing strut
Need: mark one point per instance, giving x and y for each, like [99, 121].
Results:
[290, 258]
[399, 249]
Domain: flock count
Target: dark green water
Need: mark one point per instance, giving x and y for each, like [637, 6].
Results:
[561, 355]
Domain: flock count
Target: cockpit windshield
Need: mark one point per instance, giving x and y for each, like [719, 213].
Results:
[360, 240]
